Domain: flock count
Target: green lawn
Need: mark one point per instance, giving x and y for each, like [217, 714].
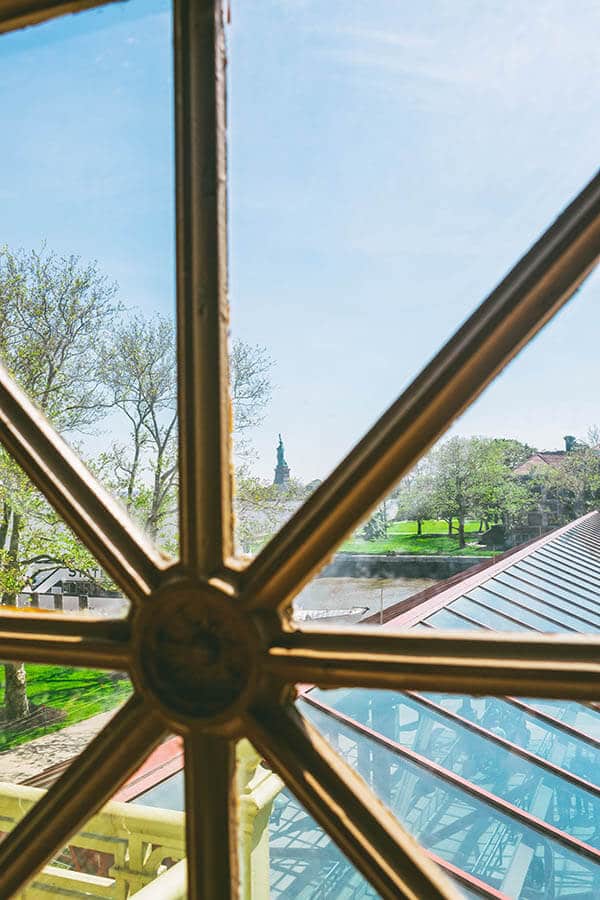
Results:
[435, 540]
[78, 693]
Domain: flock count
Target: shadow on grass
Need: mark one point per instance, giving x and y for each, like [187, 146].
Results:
[61, 696]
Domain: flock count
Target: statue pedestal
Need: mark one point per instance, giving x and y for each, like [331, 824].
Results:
[282, 474]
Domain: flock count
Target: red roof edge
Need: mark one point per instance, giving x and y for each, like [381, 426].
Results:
[164, 761]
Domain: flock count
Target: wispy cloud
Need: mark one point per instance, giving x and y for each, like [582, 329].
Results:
[524, 49]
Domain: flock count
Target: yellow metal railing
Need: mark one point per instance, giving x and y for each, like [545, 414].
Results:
[171, 885]
[129, 845]
[257, 789]
[132, 850]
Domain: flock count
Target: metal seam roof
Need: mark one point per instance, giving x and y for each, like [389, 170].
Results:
[553, 582]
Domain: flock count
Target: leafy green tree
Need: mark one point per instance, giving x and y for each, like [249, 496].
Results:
[497, 495]
[414, 495]
[473, 477]
[512, 452]
[63, 338]
[455, 474]
[53, 312]
[577, 482]
[31, 533]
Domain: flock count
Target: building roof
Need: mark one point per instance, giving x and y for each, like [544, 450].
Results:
[551, 458]
[504, 792]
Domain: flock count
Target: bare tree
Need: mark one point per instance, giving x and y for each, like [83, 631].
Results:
[138, 369]
[251, 389]
[139, 372]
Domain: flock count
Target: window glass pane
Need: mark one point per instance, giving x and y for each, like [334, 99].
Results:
[87, 259]
[43, 565]
[576, 567]
[453, 818]
[103, 858]
[571, 580]
[304, 861]
[48, 713]
[517, 719]
[511, 609]
[503, 505]
[301, 858]
[582, 718]
[472, 752]
[483, 614]
[445, 618]
[572, 565]
[565, 545]
[546, 607]
[345, 599]
[532, 572]
[421, 531]
[576, 610]
[592, 555]
[370, 153]
[575, 602]
[48, 716]
[167, 794]
[585, 567]
[591, 542]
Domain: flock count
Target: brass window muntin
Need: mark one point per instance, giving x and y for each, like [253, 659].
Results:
[257, 598]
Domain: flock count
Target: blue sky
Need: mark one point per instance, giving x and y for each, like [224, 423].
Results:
[389, 162]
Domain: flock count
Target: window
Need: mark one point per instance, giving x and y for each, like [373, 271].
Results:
[208, 644]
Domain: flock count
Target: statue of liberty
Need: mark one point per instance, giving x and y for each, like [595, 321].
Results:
[282, 470]
[280, 453]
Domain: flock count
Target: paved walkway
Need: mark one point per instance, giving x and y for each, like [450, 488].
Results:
[44, 752]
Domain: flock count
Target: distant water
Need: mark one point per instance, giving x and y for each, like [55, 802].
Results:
[344, 593]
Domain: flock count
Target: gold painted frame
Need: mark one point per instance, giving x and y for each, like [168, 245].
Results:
[244, 612]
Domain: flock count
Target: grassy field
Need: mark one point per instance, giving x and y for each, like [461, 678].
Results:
[403, 538]
[77, 693]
